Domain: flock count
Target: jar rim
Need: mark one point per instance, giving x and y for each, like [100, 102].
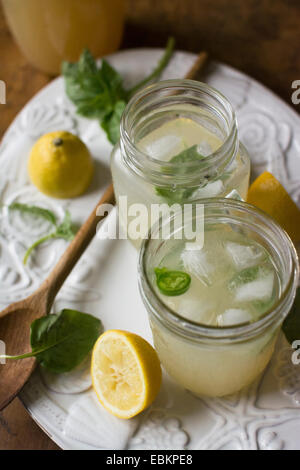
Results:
[141, 162]
[240, 332]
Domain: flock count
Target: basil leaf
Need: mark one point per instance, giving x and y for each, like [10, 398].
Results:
[291, 325]
[99, 92]
[190, 154]
[65, 230]
[174, 196]
[111, 123]
[179, 195]
[87, 88]
[34, 211]
[61, 342]
[113, 82]
[243, 277]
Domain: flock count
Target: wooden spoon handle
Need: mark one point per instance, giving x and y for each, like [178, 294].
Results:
[74, 251]
[197, 66]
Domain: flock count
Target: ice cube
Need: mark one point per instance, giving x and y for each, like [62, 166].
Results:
[212, 189]
[246, 275]
[259, 289]
[196, 263]
[191, 306]
[233, 316]
[165, 146]
[244, 256]
[204, 149]
[195, 310]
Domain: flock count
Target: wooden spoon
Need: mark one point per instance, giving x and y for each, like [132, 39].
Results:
[17, 318]
[15, 326]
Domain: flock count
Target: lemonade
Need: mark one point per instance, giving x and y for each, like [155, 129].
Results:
[176, 148]
[50, 31]
[215, 310]
[233, 279]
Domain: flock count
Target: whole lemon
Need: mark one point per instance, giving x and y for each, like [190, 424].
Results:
[60, 165]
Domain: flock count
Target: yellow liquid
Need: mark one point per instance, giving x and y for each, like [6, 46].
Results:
[211, 367]
[50, 31]
[162, 144]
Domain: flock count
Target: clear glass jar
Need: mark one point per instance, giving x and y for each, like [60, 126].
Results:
[50, 31]
[212, 360]
[190, 109]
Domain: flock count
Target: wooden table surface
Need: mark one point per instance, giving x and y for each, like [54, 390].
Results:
[259, 37]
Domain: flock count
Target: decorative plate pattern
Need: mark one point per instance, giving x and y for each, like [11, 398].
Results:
[267, 414]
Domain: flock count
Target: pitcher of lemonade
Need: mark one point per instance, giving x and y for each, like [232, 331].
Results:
[50, 31]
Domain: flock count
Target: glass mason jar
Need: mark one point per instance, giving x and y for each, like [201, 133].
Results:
[165, 119]
[214, 360]
[50, 31]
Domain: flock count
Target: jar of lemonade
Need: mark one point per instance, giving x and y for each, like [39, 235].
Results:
[50, 31]
[216, 310]
[179, 142]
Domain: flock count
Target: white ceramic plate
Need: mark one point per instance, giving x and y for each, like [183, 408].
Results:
[267, 415]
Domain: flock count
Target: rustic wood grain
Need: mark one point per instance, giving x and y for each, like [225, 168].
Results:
[259, 37]
[19, 432]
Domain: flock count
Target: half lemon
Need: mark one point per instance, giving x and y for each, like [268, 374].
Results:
[126, 373]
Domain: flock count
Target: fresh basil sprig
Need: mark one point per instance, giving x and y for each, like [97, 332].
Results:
[65, 230]
[60, 342]
[98, 93]
[179, 195]
[33, 210]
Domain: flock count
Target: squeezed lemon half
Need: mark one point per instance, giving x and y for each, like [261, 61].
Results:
[126, 373]
[60, 165]
[268, 194]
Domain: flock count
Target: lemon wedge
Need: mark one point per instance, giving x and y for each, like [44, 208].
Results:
[268, 194]
[126, 373]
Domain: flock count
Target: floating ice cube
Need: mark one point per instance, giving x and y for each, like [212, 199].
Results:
[244, 256]
[210, 190]
[165, 146]
[259, 289]
[247, 275]
[195, 310]
[233, 316]
[204, 149]
[196, 263]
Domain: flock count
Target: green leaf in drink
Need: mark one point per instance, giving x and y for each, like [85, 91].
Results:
[179, 195]
[243, 277]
